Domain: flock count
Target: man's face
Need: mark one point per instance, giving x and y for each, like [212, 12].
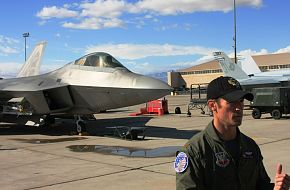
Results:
[229, 113]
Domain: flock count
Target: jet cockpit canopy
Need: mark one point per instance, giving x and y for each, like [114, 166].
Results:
[99, 59]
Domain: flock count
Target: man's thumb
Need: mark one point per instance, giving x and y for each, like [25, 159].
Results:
[279, 169]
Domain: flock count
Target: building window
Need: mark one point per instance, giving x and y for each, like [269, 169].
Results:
[201, 72]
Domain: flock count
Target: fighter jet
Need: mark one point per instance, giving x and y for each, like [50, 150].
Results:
[249, 81]
[88, 85]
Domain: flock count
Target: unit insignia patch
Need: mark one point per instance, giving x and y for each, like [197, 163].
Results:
[181, 162]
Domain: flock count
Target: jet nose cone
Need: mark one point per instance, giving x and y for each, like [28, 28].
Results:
[155, 87]
[152, 83]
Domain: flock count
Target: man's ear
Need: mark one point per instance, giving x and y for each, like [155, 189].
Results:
[211, 105]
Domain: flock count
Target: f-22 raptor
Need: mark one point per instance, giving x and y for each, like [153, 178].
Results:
[88, 85]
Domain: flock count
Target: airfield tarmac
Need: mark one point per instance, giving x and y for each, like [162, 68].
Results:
[52, 158]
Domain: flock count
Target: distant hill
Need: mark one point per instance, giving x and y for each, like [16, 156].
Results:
[6, 75]
[161, 76]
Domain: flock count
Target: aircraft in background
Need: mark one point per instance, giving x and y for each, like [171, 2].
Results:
[31, 66]
[249, 65]
[249, 81]
[88, 85]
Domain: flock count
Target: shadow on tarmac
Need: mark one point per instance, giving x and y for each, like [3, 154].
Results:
[17, 129]
[99, 127]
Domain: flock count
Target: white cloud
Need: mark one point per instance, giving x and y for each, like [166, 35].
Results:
[284, 50]
[168, 27]
[261, 52]
[175, 7]
[8, 45]
[45, 68]
[95, 23]
[182, 65]
[41, 23]
[73, 5]
[55, 12]
[9, 69]
[7, 40]
[86, 13]
[250, 52]
[146, 67]
[179, 65]
[149, 68]
[102, 8]
[4, 50]
[138, 51]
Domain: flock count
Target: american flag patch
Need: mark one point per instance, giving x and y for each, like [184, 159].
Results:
[181, 162]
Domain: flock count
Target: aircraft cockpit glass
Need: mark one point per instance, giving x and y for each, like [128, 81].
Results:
[80, 61]
[93, 61]
[112, 62]
[98, 60]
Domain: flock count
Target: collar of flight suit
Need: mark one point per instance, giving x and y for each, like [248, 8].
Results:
[244, 145]
[211, 131]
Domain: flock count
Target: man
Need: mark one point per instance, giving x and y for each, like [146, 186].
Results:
[221, 157]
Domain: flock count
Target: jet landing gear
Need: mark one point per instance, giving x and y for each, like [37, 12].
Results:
[79, 121]
[80, 125]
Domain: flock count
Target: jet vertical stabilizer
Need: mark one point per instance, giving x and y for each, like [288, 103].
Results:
[32, 65]
[248, 65]
[229, 68]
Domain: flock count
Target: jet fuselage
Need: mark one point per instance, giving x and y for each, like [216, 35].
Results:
[91, 84]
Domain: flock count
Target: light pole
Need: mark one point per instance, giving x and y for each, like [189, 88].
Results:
[235, 33]
[25, 35]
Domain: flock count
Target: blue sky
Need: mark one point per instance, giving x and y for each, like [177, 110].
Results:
[147, 36]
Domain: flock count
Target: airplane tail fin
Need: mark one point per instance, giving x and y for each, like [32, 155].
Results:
[229, 68]
[32, 65]
[249, 65]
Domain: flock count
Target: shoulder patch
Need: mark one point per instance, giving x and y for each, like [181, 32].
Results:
[181, 162]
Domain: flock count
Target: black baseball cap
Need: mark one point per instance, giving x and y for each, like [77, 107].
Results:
[227, 88]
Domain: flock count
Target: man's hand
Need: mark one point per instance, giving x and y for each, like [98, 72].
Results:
[282, 181]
